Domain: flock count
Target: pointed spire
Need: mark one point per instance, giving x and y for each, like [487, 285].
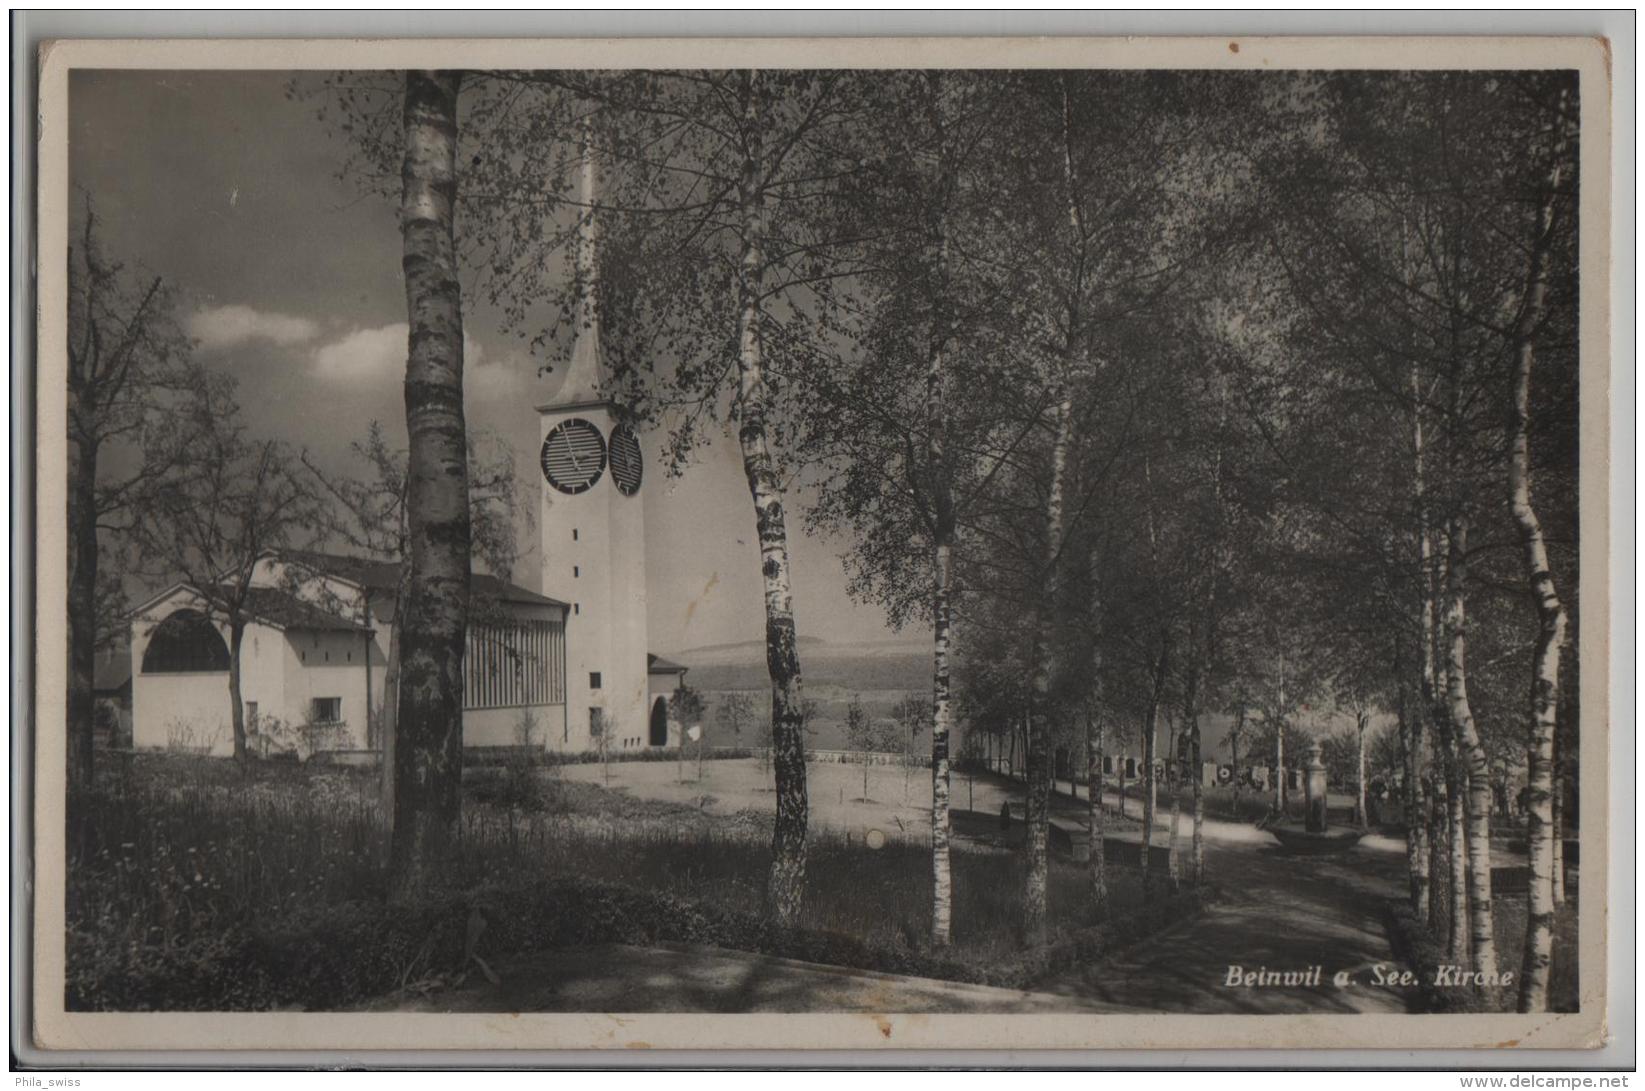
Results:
[586, 369]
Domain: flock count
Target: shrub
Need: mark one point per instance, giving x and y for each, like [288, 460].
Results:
[1424, 952]
[196, 884]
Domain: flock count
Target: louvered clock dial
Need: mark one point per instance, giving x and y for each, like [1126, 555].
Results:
[626, 462]
[573, 456]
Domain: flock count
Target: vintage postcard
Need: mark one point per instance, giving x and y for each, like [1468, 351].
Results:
[798, 544]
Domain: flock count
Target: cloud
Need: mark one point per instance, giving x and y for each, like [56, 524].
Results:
[236, 324]
[508, 380]
[378, 355]
[363, 355]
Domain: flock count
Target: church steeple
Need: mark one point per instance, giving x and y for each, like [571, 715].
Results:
[587, 368]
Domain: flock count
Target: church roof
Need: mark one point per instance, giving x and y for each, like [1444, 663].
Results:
[380, 575]
[585, 371]
[284, 610]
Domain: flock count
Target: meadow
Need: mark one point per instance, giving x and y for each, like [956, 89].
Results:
[195, 884]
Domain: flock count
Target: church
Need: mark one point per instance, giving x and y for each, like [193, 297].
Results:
[567, 669]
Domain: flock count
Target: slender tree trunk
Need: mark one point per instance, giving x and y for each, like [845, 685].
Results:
[1190, 727]
[1457, 824]
[1416, 817]
[943, 522]
[1439, 843]
[1279, 768]
[1094, 754]
[1541, 831]
[237, 707]
[1279, 746]
[1360, 725]
[1173, 783]
[1197, 771]
[1040, 727]
[942, 893]
[1098, 864]
[82, 608]
[1557, 813]
[429, 753]
[390, 711]
[1473, 760]
[1150, 726]
[785, 891]
[1420, 839]
[1442, 872]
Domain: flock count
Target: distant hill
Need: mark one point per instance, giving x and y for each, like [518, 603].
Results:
[810, 647]
[829, 669]
[881, 672]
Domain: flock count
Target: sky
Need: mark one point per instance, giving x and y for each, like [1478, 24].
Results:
[289, 279]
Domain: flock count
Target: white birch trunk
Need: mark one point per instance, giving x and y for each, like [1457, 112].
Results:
[1471, 752]
[1039, 757]
[786, 885]
[1541, 831]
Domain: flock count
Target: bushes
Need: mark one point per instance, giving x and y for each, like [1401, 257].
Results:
[195, 885]
[1421, 950]
[335, 956]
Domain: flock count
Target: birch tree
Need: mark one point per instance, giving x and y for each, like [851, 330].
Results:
[1538, 955]
[368, 515]
[428, 760]
[899, 424]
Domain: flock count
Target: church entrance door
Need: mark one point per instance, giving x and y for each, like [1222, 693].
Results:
[659, 722]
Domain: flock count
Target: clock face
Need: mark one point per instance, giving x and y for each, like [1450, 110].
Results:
[626, 466]
[573, 456]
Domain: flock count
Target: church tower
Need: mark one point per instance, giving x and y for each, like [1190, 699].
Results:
[593, 529]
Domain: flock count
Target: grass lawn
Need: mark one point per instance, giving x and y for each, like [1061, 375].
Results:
[1509, 916]
[174, 861]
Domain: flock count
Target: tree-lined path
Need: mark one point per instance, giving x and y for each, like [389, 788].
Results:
[1274, 911]
[1278, 912]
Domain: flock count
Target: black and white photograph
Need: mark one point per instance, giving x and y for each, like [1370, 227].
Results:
[1016, 536]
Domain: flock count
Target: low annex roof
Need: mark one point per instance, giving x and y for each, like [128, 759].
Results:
[273, 606]
[378, 575]
[284, 610]
[656, 664]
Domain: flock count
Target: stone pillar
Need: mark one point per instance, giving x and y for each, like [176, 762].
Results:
[1314, 790]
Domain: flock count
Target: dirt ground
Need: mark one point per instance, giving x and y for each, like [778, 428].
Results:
[1278, 912]
[895, 804]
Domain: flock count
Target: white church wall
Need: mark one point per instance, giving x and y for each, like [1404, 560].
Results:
[185, 711]
[190, 710]
[263, 670]
[630, 684]
[506, 726]
[328, 665]
[593, 549]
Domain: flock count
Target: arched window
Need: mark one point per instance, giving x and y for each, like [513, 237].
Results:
[185, 641]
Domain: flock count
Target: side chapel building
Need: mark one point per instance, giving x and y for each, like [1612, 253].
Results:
[558, 670]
